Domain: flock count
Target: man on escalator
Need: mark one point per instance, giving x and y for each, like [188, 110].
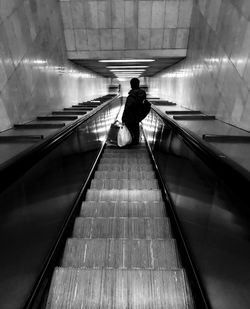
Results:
[136, 109]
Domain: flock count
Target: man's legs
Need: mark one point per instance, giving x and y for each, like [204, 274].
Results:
[134, 130]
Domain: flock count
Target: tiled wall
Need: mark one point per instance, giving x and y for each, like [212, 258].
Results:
[35, 76]
[119, 25]
[215, 76]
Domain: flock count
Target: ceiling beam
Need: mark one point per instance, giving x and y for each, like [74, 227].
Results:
[126, 54]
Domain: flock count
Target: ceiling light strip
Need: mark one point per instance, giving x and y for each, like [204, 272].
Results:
[127, 70]
[122, 71]
[127, 67]
[126, 60]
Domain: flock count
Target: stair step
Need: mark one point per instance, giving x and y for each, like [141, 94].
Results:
[121, 253]
[123, 209]
[131, 228]
[124, 195]
[118, 156]
[78, 108]
[53, 118]
[129, 151]
[124, 167]
[69, 113]
[43, 125]
[116, 288]
[124, 175]
[85, 106]
[124, 184]
[183, 112]
[125, 160]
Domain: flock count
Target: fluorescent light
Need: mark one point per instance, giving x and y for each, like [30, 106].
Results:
[128, 75]
[123, 71]
[128, 71]
[128, 60]
[127, 67]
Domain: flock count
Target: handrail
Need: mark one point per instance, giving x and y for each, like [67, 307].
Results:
[36, 298]
[52, 257]
[199, 294]
[232, 174]
[15, 167]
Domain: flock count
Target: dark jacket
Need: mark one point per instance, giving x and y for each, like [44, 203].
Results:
[134, 110]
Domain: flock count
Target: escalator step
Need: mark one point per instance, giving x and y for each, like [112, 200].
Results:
[124, 195]
[137, 156]
[123, 209]
[120, 184]
[124, 167]
[124, 175]
[127, 151]
[116, 288]
[121, 253]
[131, 228]
[125, 160]
[139, 148]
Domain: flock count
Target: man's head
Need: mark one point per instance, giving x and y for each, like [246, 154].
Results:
[135, 83]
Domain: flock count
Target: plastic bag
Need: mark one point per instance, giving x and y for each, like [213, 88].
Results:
[123, 137]
[113, 132]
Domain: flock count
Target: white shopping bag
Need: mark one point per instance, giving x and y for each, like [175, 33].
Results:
[123, 137]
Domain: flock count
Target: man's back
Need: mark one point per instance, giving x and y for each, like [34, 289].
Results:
[134, 109]
[134, 102]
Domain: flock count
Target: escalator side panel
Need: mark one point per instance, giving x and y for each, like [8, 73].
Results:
[215, 227]
[33, 209]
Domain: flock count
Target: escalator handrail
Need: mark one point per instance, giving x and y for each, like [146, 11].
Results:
[15, 167]
[198, 290]
[35, 296]
[53, 254]
[232, 174]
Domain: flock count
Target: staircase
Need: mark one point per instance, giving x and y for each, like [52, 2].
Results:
[121, 254]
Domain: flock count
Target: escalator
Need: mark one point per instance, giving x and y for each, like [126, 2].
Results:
[158, 225]
[121, 253]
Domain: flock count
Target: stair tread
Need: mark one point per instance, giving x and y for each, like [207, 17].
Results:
[137, 184]
[124, 167]
[122, 160]
[123, 209]
[123, 195]
[121, 253]
[115, 288]
[125, 174]
[131, 228]
[140, 148]
[126, 155]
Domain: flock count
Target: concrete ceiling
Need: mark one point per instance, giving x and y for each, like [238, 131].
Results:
[126, 29]
[152, 67]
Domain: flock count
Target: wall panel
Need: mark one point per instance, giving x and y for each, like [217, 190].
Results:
[215, 76]
[35, 75]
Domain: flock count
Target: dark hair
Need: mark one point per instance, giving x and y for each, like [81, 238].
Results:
[135, 83]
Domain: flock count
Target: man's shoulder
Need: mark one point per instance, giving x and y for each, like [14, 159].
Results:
[131, 98]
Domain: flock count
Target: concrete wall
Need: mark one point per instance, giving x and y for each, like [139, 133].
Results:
[215, 76]
[126, 28]
[35, 75]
